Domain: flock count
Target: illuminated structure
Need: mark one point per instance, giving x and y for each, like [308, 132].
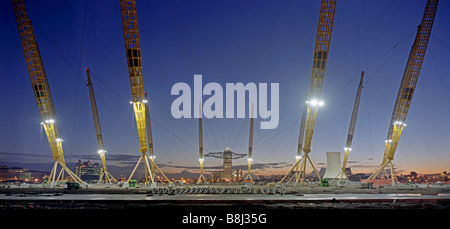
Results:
[321, 51]
[88, 171]
[407, 87]
[227, 164]
[133, 53]
[21, 174]
[227, 157]
[41, 90]
[50, 122]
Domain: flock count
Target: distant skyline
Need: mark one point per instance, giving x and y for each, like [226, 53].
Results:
[226, 41]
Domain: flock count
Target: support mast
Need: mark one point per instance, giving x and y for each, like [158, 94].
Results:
[407, 87]
[301, 134]
[133, 53]
[201, 159]
[351, 128]
[98, 132]
[250, 149]
[151, 152]
[321, 50]
[41, 90]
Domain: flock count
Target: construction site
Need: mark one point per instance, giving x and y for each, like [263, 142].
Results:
[303, 185]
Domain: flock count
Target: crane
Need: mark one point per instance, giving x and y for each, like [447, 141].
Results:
[248, 178]
[407, 87]
[321, 50]
[98, 132]
[351, 128]
[41, 91]
[133, 54]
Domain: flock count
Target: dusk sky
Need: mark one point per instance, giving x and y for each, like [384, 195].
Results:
[227, 41]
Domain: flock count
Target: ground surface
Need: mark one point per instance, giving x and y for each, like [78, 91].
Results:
[179, 206]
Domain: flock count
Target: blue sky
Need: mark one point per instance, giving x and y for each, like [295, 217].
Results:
[227, 42]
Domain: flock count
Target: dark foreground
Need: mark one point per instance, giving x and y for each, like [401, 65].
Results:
[137, 206]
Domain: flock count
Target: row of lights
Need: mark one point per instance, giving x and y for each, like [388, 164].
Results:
[315, 102]
[143, 101]
[48, 121]
[104, 151]
[399, 123]
[396, 123]
[312, 103]
[51, 121]
[201, 159]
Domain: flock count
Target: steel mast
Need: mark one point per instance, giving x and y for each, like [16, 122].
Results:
[98, 132]
[248, 178]
[407, 87]
[351, 128]
[133, 53]
[301, 134]
[151, 152]
[321, 50]
[202, 177]
[41, 91]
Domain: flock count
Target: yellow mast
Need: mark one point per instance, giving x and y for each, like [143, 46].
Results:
[133, 53]
[407, 87]
[41, 91]
[321, 51]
